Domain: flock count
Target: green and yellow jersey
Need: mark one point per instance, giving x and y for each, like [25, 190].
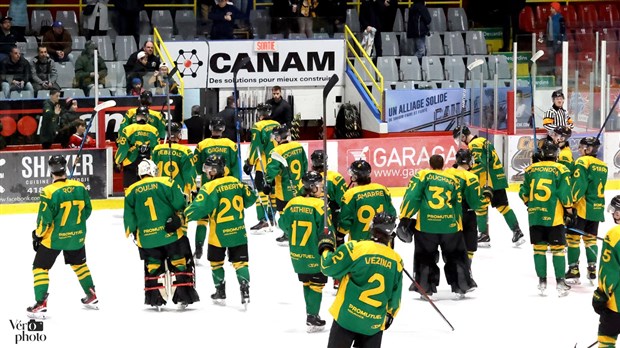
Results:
[589, 179]
[222, 201]
[297, 161]
[370, 285]
[468, 196]
[480, 148]
[546, 190]
[148, 204]
[261, 142]
[156, 120]
[63, 210]
[336, 188]
[609, 271]
[566, 158]
[303, 222]
[177, 162]
[433, 195]
[359, 206]
[130, 140]
[223, 147]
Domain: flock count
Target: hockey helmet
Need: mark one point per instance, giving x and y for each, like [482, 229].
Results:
[217, 124]
[57, 165]
[174, 130]
[263, 109]
[563, 131]
[464, 130]
[557, 94]
[464, 156]
[142, 114]
[359, 169]
[215, 163]
[146, 98]
[549, 150]
[614, 207]
[318, 159]
[282, 132]
[590, 142]
[312, 180]
[147, 167]
[384, 223]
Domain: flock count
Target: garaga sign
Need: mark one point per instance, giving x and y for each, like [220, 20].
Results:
[281, 62]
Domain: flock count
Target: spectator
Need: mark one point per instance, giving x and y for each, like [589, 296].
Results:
[280, 13]
[43, 71]
[67, 123]
[418, 26]
[370, 21]
[50, 119]
[139, 70]
[223, 16]
[136, 87]
[281, 110]
[7, 37]
[152, 61]
[15, 73]
[196, 126]
[85, 71]
[79, 135]
[228, 115]
[18, 11]
[556, 30]
[159, 81]
[97, 22]
[388, 16]
[307, 10]
[58, 42]
[126, 10]
[336, 13]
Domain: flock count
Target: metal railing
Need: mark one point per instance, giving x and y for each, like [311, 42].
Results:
[161, 50]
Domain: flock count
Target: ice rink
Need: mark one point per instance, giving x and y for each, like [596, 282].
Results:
[505, 311]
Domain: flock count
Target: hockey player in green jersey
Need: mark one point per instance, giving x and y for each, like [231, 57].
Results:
[432, 194]
[336, 188]
[303, 222]
[155, 119]
[361, 203]
[589, 179]
[176, 161]
[153, 218]
[220, 146]
[61, 227]
[369, 295]
[284, 177]
[605, 298]
[488, 164]
[546, 192]
[135, 143]
[560, 136]
[260, 148]
[222, 200]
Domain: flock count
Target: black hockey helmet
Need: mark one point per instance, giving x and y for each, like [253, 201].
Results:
[217, 124]
[263, 109]
[557, 94]
[318, 159]
[549, 150]
[142, 114]
[174, 130]
[214, 162]
[464, 156]
[614, 206]
[563, 131]
[359, 169]
[591, 142]
[384, 223]
[312, 180]
[281, 132]
[465, 131]
[57, 165]
[146, 98]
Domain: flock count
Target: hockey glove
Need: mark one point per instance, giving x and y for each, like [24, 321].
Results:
[599, 301]
[266, 189]
[247, 168]
[569, 218]
[404, 231]
[173, 223]
[388, 321]
[327, 242]
[36, 240]
[487, 192]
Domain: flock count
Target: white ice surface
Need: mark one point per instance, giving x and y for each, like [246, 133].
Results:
[505, 311]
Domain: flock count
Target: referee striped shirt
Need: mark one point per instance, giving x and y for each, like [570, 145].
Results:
[556, 117]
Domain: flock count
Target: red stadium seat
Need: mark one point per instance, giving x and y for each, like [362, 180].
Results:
[588, 15]
[527, 22]
[585, 40]
[609, 15]
[570, 17]
[542, 16]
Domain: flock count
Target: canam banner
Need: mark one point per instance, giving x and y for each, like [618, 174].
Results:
[424, 110]
[24, 174]
[272, 62]
[395, 160]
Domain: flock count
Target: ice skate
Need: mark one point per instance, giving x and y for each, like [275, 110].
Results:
[199, 252]
[260, 225]
[517, 237]
[38, 310]
[562, 287]
[219, 297]
[572, 276]
[592, 273]
[314, 323]
[245, 293]
[458, 295]
[484, 240]
[542, 285]
[91, 301]
[473, 285]
[282, 240]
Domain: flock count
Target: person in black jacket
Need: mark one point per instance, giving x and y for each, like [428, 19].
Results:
[223, 16]
[281, 110]
[228, 114]
[15, 73]
[196, 126]
[370, 17]
[418, 26]
[128, 17]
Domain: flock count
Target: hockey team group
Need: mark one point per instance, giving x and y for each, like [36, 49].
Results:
[338, 230]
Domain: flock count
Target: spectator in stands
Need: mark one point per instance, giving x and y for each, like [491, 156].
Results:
[281, 110]
[305, 10]
[139, 70]
[58, 42]
[76, 139]
[67, 123]
[556, 30]
[388, 16]
[418, 26]
[153, 61]
[228, 114]
[7, 37]
[18, 11]
[223, 16]
[335, 11]
[136, 87]
[43, 72]
[129, 9]
[159, 81]
[15, 73]
[370, 21]
[196, 127]
[281, 13]
[97, 23]
[85, 68]
[49, 119]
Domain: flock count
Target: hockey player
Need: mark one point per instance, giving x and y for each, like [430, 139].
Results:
[361, 203]
[432, 194]
[371, 274]
[155, 119]
[487, 159]
[222, 200]
[61, 227]
[285, 178]
[589, 179]
[262, 143]
[556, 115]
[135, 143]
[336, 188]
[605, 298]
[153, 218]
[546, 192]
[560, 136]
[176, 160]
[303, 222]
[223, 147]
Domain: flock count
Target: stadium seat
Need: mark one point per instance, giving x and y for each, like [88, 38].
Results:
[43, 94]
[405, 85]
[353, 20]
[454, 68]
[389, 41]
[438, 20]
[274, 36]
[570, 17]
[69, 21]
[527, 23]
[475, 43]
[410, 68]
[39, 18]
[185, 22]
[21, 95]
[261, 27]
[125, 46]
[609, 15]
[475, 74]
[161, 18]
[297, 36]
[434, 45]
[78, 43]
[145, 24]
[453, 43]
[399, 22]
[388, 68]
[432, 69]
[66, 74]
[499, 62]
[362, 72]
[585, 40]
[542, 16]
[104, 46]
[457, 19]
[449, 84]
[426, 85]
[31, 44]
[73, 93]
[320, 35]
[405, 45]
[588, 14]
[144, 38]
[103, 92]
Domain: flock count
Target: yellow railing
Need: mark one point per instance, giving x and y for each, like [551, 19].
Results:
[349, 38]
[161, 50]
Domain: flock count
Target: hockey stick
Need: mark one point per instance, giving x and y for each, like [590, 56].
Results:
[476, 63]
[276, 156]
[584, 233]
[262, 167]
[590, 346]
[105, 105]
[328, 87]
[533, 71]
[607, 118]
[244, 61]
[419, 287]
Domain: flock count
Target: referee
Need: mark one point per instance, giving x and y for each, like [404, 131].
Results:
[556, 116]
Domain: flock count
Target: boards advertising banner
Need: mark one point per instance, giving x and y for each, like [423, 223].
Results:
[24, 174]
